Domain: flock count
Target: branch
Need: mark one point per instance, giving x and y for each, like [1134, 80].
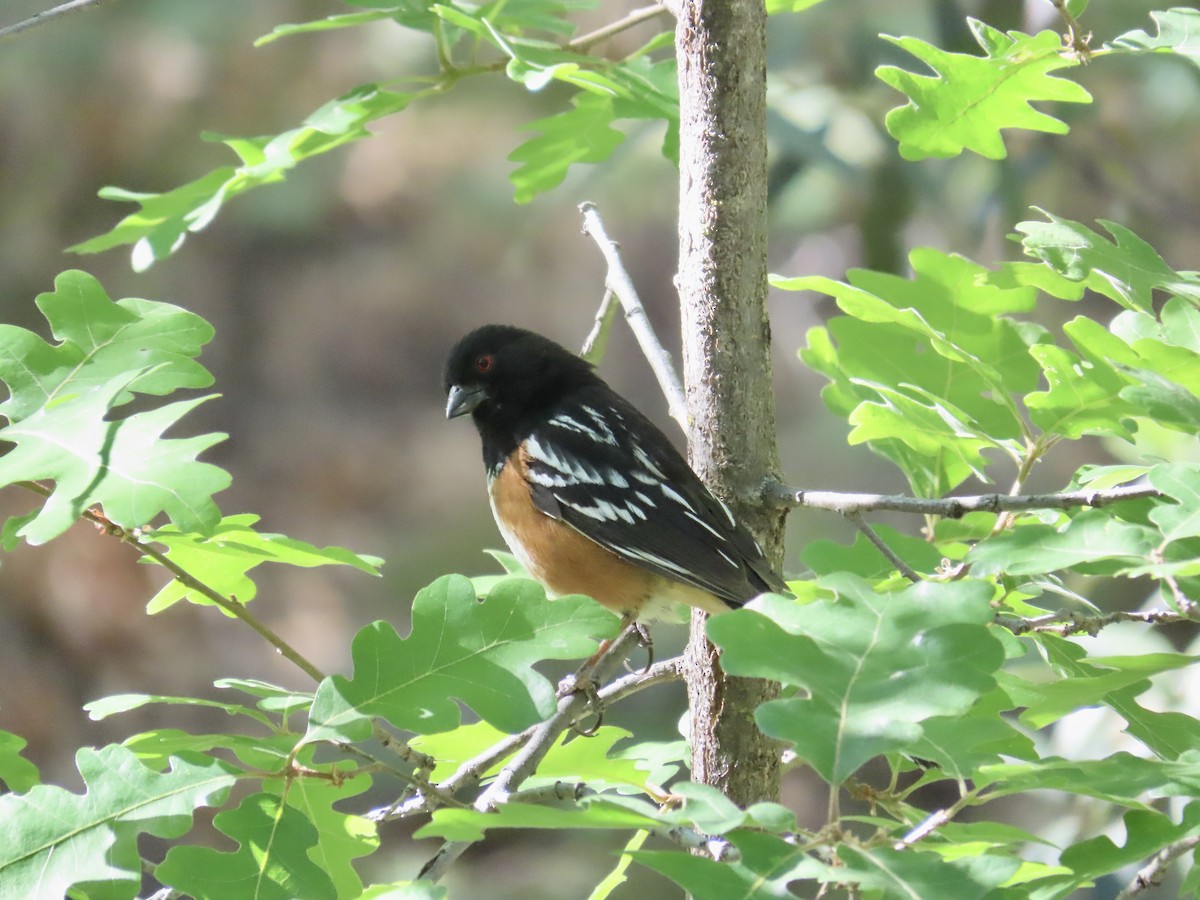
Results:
[636, 17]
[1152, 873]
[46, 15]
[951, 507]
[473, 770]
[235, 608]
[619, 282]
[596, 343]
[571, 707]
[901, 566]
[1068, 622]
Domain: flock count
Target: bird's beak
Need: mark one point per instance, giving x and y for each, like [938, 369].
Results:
[462, 400]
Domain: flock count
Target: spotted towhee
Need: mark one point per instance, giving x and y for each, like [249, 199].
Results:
[590, 495]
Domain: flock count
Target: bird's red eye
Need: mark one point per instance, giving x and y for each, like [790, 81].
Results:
[485, 363]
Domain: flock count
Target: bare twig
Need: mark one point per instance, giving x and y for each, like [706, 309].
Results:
[571, 707]
[629, 20]
[596, 343]
[1067, 622]
[1152, 873]
[47, 15]
[235, 608]
[559, 792]
[901, 566]
[952, 507]
[619, 282]
[472, 771]
[659, 673]
[933, 822]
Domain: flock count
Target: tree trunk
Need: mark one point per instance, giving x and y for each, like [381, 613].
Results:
[721, 49]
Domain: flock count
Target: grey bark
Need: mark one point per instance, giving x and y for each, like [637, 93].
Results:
[721, 49]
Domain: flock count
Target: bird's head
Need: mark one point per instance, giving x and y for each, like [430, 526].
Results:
[500, 374]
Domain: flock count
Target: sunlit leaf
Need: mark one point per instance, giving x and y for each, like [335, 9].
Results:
[970, 99]
[460, 648]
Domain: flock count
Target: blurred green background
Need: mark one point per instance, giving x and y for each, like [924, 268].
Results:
[336, 294]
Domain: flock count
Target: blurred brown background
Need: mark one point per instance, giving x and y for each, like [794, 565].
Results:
[336, 294]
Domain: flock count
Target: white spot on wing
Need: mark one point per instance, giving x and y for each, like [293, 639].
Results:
[699, 521]
[549, 457]
[673, 494]
[654, 559]
[644, 459]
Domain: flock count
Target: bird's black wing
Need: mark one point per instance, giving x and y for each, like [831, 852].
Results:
[599, 465]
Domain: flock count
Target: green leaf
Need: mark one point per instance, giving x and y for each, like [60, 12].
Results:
[930, 362]
[1178, 33]
[569, 759]
[1121, 778]
[119, 703]
[706, 879]
[152, 344]
[591, 812]
[231, 550]
[16, 772]
[582, 135]
[155, 748]
[341, 837]
[415, 890]
[1126, 269]
[592, 761]
[271, 698]
[271, 863]
[971, 98]
[864, 559]
[1180, 482]
[617, 877]
[159, 228]
[55, 840]
[1146, 832]
[1033, 548]
[62, 395]
[980, 736]
[329, 23]
[775, 7]
[1089, 683]
[124, 465]
[905, 875]
[874, 666]
[479, 652]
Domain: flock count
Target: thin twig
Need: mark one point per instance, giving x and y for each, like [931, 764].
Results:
[472, 771]
[1068, 622]
[468, 774]
[1077, 42]
[1152, 873]
[619, 282]
[630, 20]
[901, 566]
[571, 707]
[559, 792]
[596, 343]
[933, 822]
[46, 15]
[234, 607]
[659, 673]
[952, 507]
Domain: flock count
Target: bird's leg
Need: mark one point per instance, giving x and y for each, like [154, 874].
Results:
[582, 681]
[647, 644]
